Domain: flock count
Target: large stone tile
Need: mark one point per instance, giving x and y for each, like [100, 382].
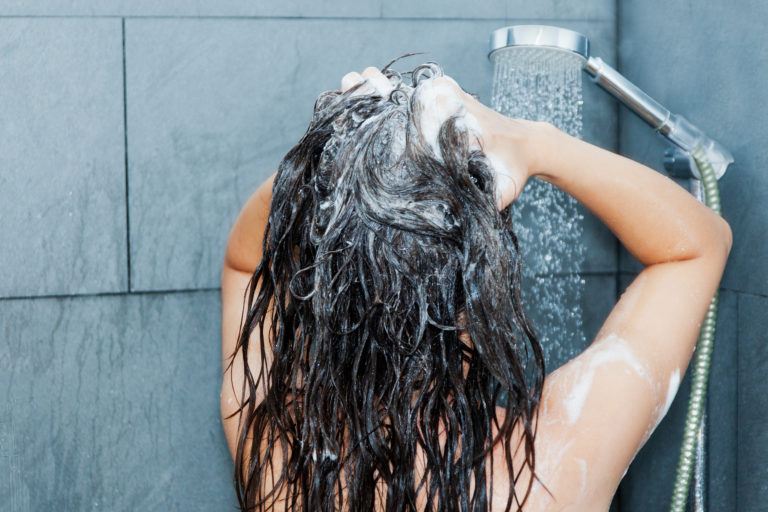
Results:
[562, 10]
[207, 123]
[112, 403]
[512, 10]
[62, 170]
[495, 9]
[752, 489]
[600, 128]
[213, 105]
[549, 9]
[722, 407]
[692, 71]
[219, 8]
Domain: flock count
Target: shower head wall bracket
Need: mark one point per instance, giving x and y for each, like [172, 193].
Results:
[675, 128]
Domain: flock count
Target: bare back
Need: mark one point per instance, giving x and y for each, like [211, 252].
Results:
[598, 409]
[562, 465]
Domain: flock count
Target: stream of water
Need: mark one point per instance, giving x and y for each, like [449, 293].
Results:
[545, 84]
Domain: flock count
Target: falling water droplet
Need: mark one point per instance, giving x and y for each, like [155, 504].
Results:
[545, 85]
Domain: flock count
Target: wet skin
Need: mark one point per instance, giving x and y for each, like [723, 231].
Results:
[601, 407]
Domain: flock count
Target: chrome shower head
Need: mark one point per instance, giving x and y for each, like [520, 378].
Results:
[539, 35]
[538, 74]
[675, 128]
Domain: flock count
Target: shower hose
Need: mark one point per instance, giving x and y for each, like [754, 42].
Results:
[693, 434]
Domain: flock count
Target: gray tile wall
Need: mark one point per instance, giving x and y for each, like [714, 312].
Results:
[709, 64]
[134, 131]
[109, 403]
[199, 141]
[62, 185]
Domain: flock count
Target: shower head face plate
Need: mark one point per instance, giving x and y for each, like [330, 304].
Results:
[541, 36]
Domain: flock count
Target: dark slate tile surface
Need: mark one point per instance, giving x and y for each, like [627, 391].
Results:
[751, 482]
[62, 170]
[181, 8]
[112, 403]
[562, 10]
[549, 9]
[707, 88]
[495, 9]
[213, 105]
[722, 408]
[513, 10]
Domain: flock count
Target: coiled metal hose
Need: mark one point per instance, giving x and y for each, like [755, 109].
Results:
[693, 433]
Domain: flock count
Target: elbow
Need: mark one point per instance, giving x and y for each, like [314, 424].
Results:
[713, 241]
[720, 240]
[726, 235]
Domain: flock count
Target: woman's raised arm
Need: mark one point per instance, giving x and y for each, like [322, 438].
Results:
[608, 400]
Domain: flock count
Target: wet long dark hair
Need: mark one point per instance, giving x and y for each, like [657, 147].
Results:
[392, 287]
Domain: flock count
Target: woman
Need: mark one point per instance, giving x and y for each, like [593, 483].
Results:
[398, 371]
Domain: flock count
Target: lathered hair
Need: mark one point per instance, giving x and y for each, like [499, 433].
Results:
[392, 284]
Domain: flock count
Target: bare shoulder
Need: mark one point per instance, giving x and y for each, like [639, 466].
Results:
[596, 412]
[567, 478]
[600, 408]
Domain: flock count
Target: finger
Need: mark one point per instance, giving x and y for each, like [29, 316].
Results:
[363, 84]
[449, 82]
[350, 79]
[377, 79]
[449, 79]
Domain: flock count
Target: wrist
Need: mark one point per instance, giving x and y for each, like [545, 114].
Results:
[545, 143]
[541, 134]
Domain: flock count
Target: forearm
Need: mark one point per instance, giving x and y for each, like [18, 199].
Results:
[655, 218]
[244, 245]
